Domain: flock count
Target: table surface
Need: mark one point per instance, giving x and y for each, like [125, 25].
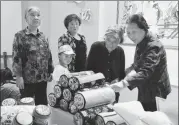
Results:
[60, 117]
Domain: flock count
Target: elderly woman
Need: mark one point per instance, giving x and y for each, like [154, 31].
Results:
[149, 71]
[76, 41]
[108, 57]
[32, 60]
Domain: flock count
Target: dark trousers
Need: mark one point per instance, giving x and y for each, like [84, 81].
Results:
[150, 106]
[37, 90]
[117, 97]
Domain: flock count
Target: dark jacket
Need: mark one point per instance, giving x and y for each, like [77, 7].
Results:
[112, 64]
[150, 63]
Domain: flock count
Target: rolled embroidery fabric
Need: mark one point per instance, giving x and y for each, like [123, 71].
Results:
[68, 95]
[72, 107]
[9, 102]
[58, 91]
[41, 114]
[113, 123]
[94, 97]
[9, 112]
[64, 78]
[27, 101]
[64, 104]
[83, 81]
[104, 117]
[53, 101]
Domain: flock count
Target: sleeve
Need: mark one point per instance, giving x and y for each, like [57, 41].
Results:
[122, 63]
[84, 54]
[150, 61]
[62, 41]
[16, 57]
[90, 63]
[50, 61]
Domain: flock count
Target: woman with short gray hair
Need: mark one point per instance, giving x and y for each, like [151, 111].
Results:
[32, 59]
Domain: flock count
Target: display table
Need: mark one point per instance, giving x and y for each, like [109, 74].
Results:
[60, 117]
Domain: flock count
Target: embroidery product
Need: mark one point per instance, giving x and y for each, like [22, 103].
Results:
[77, 82]
[94, 97]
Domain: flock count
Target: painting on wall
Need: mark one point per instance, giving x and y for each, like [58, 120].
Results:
[162, 16]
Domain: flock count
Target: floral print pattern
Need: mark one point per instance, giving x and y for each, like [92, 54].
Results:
[32, 57]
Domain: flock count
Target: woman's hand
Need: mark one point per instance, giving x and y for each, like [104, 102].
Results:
[115, 80]
[20, 82]
[117, 87]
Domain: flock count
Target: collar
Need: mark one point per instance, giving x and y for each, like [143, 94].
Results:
[69, 34]
[28, 32]
[144, 42]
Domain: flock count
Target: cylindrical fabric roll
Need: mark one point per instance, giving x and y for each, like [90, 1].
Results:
[57, 91]
[81, 118]
[9, 102]
[41, 114]
[82, 73]
[72, 108]
[94, 97]
[104, 117]
[64, 104]
[23, 118]
[113, 123]
[53, 101]
[78, 82]
[27, 101]
[64, 79]
[67, 95]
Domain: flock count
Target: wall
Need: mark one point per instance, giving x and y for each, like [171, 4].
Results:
[10, 23]
[107, 16]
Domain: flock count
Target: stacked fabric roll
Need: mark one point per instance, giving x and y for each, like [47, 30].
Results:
[9, 102]
[69, 84]
[25, 115]
[27, 101]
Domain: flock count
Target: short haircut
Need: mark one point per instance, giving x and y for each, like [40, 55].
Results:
[139, 20]
[71, 17]
[29, 9]
[118, 30]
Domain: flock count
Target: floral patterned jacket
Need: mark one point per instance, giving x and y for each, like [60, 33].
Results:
[32, 57]
[80, 49]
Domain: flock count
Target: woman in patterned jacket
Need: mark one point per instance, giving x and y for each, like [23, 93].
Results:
[76, 41]
[32, 59]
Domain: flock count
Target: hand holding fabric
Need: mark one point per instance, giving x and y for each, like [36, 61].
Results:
[117, 87]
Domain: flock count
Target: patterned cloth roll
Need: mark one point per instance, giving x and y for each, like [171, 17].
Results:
[79, 82]
[27, 101]
[94, 97]
[104, 117]
[9, 102]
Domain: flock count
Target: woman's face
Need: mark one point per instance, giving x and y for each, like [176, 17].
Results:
[112, 40]
[73, 26]
[33, 18]
[135, 33]
[65, 58]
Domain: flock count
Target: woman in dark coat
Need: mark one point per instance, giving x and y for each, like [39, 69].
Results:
[77, 41]
[149, 71]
